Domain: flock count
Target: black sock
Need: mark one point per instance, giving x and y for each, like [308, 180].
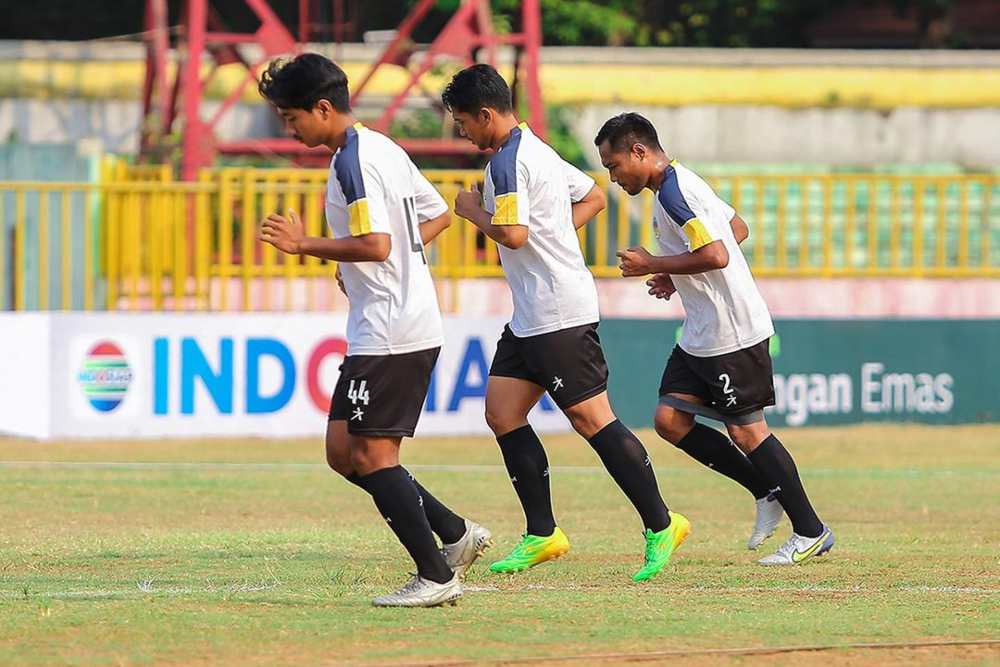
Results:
[714, 450]
[626, 459]
[398, 500]
[446, 524]
[777, 467]
[528, 468]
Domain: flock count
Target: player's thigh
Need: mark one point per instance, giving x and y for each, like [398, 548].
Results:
[741, 382]
[570, 364]
[385, 394]
[338, 447]
[591, 415]
[508, 402]
[372, 453]
[672, 423]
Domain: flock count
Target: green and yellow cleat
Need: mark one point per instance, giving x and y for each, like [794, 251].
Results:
[533, 550]
[661, 546]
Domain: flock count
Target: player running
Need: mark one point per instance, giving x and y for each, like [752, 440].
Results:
[381, 211]
[534, 202]
[721, 368]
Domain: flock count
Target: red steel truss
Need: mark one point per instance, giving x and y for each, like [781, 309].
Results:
[173, 106]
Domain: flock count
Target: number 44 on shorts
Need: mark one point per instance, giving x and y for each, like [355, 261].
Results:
[359, 393]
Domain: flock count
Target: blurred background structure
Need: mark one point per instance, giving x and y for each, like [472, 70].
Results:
[858, 138]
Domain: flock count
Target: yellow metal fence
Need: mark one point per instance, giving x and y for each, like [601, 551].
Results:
[139, 240]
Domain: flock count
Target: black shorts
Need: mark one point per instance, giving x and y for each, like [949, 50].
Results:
[568, 363]
[734, 384]
[383, 395]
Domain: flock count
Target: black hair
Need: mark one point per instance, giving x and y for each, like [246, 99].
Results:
[300, 83]
[626, 129]
[475, 88]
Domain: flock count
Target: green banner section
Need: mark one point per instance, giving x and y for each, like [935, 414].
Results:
[835, 371]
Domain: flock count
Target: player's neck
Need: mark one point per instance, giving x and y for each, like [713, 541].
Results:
[505, 125]
[660, 163]
[339, 125]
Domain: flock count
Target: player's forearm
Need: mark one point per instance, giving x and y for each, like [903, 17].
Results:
[506, 235]
[429, 230]
[366, 248]
[707, 258]
[587, 208]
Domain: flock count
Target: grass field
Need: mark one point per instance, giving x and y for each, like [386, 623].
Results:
[252, 552]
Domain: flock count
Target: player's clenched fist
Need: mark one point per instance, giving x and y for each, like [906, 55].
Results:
[283, 233]
[468, 202]
[636, 261]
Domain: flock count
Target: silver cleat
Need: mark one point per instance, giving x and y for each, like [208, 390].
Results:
[420, 592]
[769, 512]
[462, 554]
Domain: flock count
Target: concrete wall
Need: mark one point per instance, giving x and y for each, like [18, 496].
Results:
[835, 136]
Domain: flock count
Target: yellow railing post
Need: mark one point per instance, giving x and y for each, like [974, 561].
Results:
[88, 251]
[202, 253]
[918, 226]
[43, 250]
[963, 224]
[225, 259]
[872, 223]
[66, 247]
[20, 287]
[248, 226]
[757, 227]
[850, 198]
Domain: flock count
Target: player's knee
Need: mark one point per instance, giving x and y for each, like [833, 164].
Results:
[671, 425]
[361, 458]
[499, 422]
[339, 462]
[587, 425]
[746, 438]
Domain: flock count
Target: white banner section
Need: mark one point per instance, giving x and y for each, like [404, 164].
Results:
[266, 375]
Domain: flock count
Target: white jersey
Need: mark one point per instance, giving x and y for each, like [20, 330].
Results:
[725, 311]
[527, 183]
[374, 187]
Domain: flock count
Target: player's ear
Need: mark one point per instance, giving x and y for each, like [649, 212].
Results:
[639, 151]
[485, 115]
[324, 107]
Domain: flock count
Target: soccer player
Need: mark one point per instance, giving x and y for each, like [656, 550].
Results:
[381, 211]
[534, 202]
[721, 368]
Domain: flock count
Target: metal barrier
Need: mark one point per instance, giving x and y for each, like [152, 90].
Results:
[141, 241]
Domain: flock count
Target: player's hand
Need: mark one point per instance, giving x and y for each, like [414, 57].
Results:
[468, 203]
[283, 233]
[636, 261]
[661, 286]
[340, 280]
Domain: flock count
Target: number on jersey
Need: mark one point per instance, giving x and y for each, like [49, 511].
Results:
[413, 226]
[359, 393]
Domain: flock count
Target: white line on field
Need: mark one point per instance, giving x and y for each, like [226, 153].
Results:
[761, 589]
[144, 588]
[464, 468]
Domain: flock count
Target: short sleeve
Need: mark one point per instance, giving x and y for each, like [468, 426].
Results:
[429, 202]
[363, 190]
[509, 177]
[684, 207]
[579, 182]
